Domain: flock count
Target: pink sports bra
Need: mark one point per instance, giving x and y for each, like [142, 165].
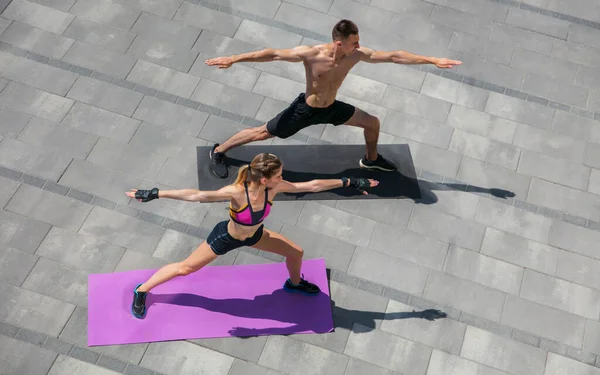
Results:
[245, 215]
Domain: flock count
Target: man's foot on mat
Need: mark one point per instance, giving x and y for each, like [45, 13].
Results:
[138, 306]
[380, 163]
[217, 162]
[304, 287]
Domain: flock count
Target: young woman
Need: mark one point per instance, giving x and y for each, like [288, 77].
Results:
[250, 198]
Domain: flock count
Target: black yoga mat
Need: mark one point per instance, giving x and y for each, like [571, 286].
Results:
[309, 162]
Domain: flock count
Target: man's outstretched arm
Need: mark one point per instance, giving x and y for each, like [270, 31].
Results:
[403, 57]
[295, 54]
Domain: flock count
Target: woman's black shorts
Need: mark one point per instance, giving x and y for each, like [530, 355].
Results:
[221, 242]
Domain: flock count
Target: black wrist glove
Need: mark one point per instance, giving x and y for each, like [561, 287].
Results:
[360, 184]
[147, 195]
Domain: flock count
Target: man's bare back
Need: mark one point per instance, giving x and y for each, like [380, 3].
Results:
[326, 66]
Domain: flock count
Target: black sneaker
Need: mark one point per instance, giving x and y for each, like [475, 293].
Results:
[217, 162]
[304, 287]
[379, 163]
[138, 306]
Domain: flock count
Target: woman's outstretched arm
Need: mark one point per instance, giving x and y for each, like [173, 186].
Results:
[189, 195]
[315, 186]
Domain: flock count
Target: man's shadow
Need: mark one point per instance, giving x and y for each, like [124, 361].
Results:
[391, 185]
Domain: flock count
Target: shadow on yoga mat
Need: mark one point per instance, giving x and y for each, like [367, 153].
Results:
[309, 162]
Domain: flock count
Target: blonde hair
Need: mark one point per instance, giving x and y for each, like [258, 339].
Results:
[263, 165]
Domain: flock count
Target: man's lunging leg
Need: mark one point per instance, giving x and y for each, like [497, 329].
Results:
[241, 138]
[371, 126]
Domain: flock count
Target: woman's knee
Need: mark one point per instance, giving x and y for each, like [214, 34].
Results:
[185, 269]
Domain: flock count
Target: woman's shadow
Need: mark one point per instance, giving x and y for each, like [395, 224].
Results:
[290, 308]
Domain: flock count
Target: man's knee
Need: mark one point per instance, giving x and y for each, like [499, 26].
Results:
[262, 133]
[372, 123]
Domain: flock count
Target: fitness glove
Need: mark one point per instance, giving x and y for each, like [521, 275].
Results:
[147, 195]
[360, 184]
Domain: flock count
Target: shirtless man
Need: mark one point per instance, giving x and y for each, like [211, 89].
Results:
[326, 68]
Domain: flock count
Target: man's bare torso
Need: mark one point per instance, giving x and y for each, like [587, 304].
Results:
[324, 75]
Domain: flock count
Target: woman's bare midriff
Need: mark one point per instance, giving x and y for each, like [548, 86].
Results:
[241, 232]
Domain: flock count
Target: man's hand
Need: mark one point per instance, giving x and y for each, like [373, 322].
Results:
[442, 62]
[221, 62]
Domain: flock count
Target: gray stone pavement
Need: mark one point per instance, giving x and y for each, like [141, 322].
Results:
[97, 97]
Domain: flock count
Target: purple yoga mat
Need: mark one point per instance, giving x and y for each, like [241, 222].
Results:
[217, 301]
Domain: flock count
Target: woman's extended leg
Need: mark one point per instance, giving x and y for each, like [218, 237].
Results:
[202, 256]
[276, 243]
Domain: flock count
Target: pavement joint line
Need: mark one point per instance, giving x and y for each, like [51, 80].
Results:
[492, 87]
[336, 275]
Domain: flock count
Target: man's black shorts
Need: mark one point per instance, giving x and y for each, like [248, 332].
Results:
[300, 115]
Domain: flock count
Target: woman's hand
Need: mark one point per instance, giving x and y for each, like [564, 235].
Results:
[143, 195]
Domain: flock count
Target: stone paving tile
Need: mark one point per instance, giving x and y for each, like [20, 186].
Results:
[100, 122]
[68, 284]
[362, 342]
[445, 363]
[533, 255]
[241, 367]
[553, 169]
[227, 98]
[240, 76]
[544, 321]
[41, 76]
[64, 212]
[104, 95]
[99, 34]
[48, 137]
[192, 358]
[170, 116]
[480, 45]
[28, 158]
[543, 289]
[100, 59]
[483, 270]
[106, 12]
[15, 265]
[557, 364]
[34, 310]
[16, 357]
[75, 331]
[445, 227]
[35, 102]
[417, 129]
[36, 40]
[465, 295]
[565, 199]
[165, 8]
[516, 358]
[122, 230]
[382, 269]
[483, 124]
[444, 334]
[39, 16]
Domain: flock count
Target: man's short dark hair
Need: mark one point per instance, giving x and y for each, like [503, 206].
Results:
[343, 29]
